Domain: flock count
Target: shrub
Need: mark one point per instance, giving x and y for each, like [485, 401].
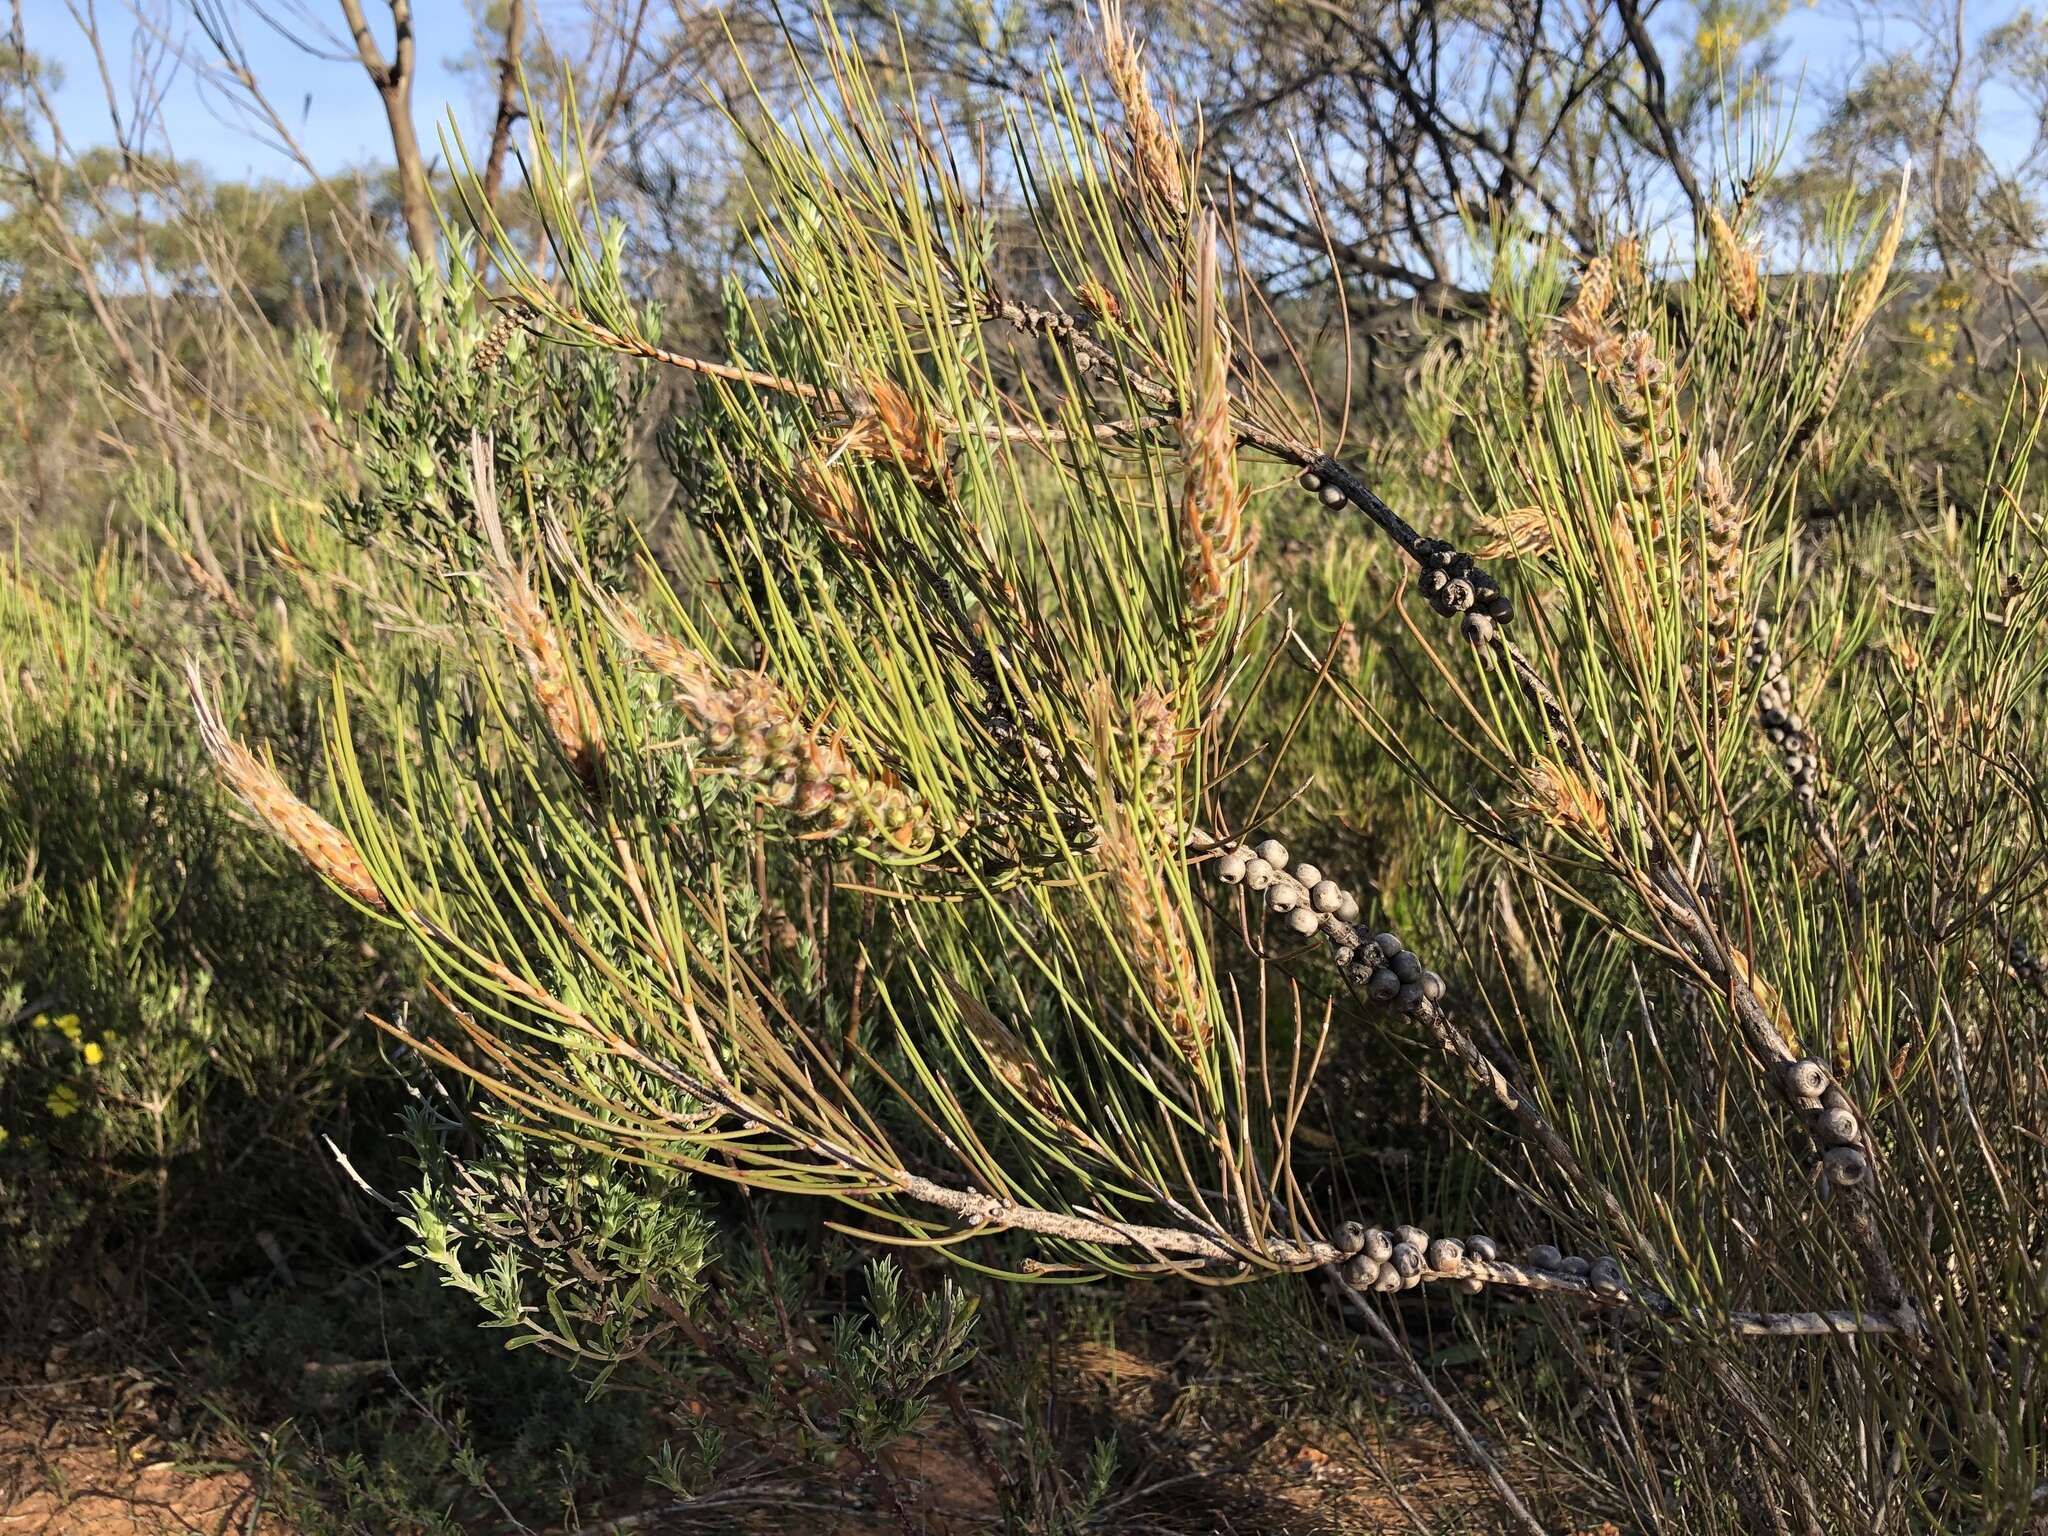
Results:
[902, 860]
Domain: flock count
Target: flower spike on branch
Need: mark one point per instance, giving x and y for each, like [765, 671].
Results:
[259, 786]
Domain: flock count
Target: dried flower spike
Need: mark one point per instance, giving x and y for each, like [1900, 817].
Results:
[259, 786]
[1216, 539]
[1155, 153]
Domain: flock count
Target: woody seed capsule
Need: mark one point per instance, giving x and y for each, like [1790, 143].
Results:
[1805, 1080]
[1543, 1256]
[1384, 986]
[1308, 874]
[1326, 896]
[1258, 874]
[1231, 867]
[1482, 1247]
[1409, 998]
[1379, 1244]
[1282, 896]
[1835, 1127]
[1333, 496]
[1274, 852]
[1414, 1237]
[1407, 1260]
[1309, 481]
[1351, 1238]
[1387, 944]
[1446, 1253]
[1360, 1272]
[1347, 909]
[1605, 1276]
[1406, 966]
[1303, 921]
[1432, 986]
[1846, 1166]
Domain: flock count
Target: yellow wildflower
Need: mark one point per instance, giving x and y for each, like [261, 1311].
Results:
[62, 1102]
[1717, 42]
[94, 1055]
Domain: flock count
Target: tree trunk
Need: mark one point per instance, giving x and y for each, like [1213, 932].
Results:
[393, 80]
[509, 110]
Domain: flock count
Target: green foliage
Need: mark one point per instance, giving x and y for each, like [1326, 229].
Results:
[562, 422]
[575, 1248]
[885, 1362]
[172, 983]
[853, 849]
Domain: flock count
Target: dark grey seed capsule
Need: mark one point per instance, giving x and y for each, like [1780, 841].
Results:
[1409, 998]
[1479, 629]
[1389, 1279]
[1605, 1276]
[1482, 1247]
[1384, 986]
[1572, 1264]
[1351, 1238]
[1309, 481]
[1360, 1272]
[1805, 1080]
[1407, 1260]
[1406, 966]
[1446, 1253]
[1500, 609]
[1835, 1127]
[1333, 496]
[1846, 1166]
[1543, 1256]
[1458, 595]
[1387, 944]
[1832, 1097]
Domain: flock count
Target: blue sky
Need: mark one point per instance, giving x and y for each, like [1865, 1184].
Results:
[333, 108]
[329, 104]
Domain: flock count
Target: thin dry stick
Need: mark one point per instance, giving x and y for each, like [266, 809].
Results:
[1477, 1453]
